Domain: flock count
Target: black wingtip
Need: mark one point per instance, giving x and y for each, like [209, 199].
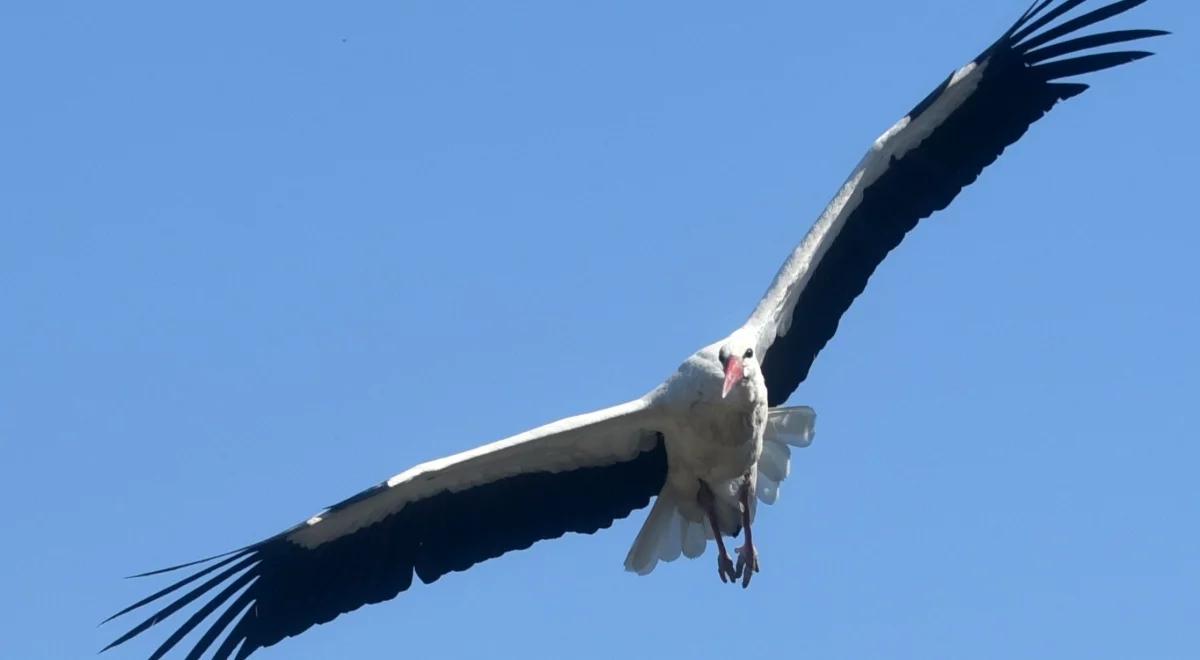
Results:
[1078, 66]
[178, 584]
[1028, 41]
[114, 643]
[169, 569]
[1088, 42]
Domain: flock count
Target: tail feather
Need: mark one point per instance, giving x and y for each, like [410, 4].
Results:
[648, 547]
[670, 545]
[695, 539]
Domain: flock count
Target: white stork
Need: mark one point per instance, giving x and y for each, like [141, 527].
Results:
[705, 442]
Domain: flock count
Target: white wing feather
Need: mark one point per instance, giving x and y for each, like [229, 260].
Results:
[772, 316]
[603, 437]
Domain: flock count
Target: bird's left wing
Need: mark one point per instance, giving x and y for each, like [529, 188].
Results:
[574, 475]
[917, 167]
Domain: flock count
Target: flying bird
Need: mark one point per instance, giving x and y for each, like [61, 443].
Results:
[706, 445]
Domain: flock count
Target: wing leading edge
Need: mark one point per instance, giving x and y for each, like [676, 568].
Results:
[917, 168]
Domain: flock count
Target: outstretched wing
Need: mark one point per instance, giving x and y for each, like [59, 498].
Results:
[575, 475]
[917, 167]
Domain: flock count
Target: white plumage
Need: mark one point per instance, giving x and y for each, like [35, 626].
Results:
[708, 443]
[667, 534]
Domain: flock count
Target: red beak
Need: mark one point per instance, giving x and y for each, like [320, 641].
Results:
[733, 374]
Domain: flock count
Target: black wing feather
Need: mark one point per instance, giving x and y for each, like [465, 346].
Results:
[183, 601]
[289, 588]
[1091, 41]
[1015, 90]
[1078, 23]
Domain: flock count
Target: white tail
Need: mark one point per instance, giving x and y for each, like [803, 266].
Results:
[659, 533]
[665, 536]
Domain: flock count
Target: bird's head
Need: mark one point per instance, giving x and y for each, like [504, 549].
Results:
[740, 363]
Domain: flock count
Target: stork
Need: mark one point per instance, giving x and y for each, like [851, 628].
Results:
[706, 445]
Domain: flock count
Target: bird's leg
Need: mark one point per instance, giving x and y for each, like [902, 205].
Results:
[724, 563]
[747, 563]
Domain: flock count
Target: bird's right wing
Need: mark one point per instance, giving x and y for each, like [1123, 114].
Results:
[574, 475]
[917, 167]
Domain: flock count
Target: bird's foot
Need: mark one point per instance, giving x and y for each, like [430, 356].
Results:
[747, 563]
[725, 568]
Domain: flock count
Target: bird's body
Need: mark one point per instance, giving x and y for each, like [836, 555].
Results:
[704, 445]
[709, 438]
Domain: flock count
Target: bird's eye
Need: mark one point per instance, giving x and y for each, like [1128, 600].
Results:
[722, 356]
[749, 353]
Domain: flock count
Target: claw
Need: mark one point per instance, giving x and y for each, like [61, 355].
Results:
[724, 564]
[747, 563]
[725, 569]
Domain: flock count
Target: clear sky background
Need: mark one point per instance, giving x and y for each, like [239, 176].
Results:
[258, 256]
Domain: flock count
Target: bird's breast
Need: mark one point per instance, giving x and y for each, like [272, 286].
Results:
[716, 442]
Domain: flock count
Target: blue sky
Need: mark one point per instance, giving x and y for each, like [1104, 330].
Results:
[258, 257]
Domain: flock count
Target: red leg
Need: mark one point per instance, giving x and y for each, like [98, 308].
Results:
[747, 563]
[724, 564]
